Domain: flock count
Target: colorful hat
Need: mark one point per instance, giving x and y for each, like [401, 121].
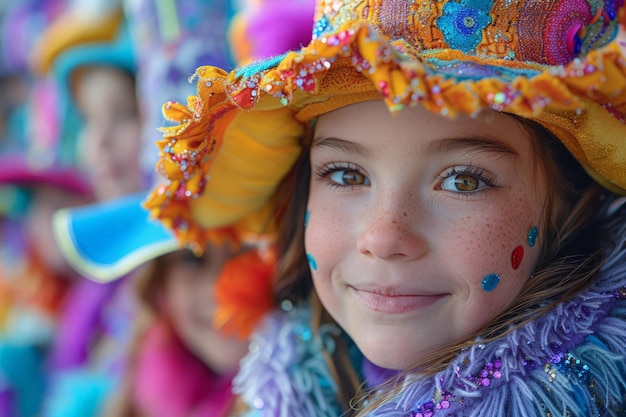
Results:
[108, 240]
[117, 53]
[554, 62]
[166, 43]
[76, 27]
[16, 169]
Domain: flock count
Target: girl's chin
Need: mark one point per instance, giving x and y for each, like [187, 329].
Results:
[390, 359]
[393, 353]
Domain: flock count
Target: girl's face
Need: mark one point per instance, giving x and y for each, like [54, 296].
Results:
[191, 304]
[417, 225]
[111, 136]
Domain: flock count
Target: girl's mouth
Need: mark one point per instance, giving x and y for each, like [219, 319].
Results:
[390, 303]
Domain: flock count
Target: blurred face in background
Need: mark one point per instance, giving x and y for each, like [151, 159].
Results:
[189, 297]
[111, 136]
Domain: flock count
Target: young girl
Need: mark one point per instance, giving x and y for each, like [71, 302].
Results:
[175, 334]
[92, 59]
[453, 198]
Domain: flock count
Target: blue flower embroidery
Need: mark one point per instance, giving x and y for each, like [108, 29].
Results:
[462, 23]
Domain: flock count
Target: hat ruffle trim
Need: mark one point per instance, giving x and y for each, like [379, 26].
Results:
[187, 152]
[446, 82]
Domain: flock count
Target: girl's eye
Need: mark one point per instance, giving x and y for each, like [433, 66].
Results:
[348, 177]
[342, 174]
[462, 182]
[465, 180]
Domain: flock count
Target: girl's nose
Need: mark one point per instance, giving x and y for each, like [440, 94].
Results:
[391, 232]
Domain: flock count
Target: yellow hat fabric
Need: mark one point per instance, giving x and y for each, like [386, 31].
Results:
[75, 27]
[554, 62]
[248, 171]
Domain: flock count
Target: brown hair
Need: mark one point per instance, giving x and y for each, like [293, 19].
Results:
[568, 263]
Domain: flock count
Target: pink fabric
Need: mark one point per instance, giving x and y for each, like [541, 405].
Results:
[276, 26]
[171, 382]
[15, 169]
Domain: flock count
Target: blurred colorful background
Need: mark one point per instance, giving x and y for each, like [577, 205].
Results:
[81, 89]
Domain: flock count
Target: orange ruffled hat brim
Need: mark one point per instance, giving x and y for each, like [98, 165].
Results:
[583, 103]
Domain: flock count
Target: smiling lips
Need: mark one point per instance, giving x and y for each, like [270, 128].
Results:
[386, 302]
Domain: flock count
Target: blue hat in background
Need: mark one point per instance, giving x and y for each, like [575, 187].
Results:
[118, 53]
[107, 240]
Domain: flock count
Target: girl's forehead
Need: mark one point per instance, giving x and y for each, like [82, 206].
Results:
[371, 124]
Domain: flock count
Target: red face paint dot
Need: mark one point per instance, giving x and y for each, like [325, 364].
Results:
[517, 256]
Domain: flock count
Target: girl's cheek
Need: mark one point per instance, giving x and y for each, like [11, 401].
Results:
[325, 233]
[497, 242]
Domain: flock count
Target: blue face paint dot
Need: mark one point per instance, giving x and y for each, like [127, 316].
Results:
[312, 262]
[532, 236]
[306, 219]
[490, 282]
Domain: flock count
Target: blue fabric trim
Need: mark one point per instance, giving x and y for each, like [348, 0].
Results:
[260, 66]
[107, 240]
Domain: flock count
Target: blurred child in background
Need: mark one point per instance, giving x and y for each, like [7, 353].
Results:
[94, 65]
[36, 179]
[176, 335]
[90, 57]
[35, 281]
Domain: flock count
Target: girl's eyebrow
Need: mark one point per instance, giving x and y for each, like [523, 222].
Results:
[432, 148]
[468, 144]
[341, 144]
